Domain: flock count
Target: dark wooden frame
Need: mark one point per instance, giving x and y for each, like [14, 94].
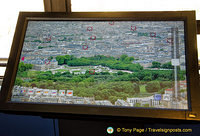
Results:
[191, 57]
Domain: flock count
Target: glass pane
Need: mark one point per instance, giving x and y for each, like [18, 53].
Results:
[139, 5]
[2, 71]
[139, 63]
[135, 5]
[9, 10]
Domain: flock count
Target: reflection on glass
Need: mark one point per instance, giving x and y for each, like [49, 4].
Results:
[107, 63]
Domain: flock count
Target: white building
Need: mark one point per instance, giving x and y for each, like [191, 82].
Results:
[143, 101]
[53, 92]
[69, 93]
[46, 92]
[103, 102]
[31, 91]
[120, 102]
[39, 92]
[169, 91]
[61, 93]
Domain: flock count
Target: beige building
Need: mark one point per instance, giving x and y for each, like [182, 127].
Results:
[42, 65]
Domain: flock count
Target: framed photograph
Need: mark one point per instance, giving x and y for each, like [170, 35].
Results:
[131, 64]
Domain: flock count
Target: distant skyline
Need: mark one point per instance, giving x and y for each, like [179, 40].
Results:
[140, 39]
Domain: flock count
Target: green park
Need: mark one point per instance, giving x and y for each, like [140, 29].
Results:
[104, 85]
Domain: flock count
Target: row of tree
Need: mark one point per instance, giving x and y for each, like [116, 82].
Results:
[104, 90]
[145, 75]
[122, 63]
[100, 91]
[156, 86]
[24, 67]
[167, 65]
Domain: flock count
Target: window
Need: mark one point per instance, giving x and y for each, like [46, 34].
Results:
[9, 10]
[138, 5]
[135, 5]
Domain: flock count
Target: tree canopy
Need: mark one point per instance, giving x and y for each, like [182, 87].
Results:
[123, 63]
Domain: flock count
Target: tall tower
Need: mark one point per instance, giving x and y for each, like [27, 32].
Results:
[175, 60]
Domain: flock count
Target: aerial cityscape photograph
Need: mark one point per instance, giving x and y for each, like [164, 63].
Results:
[103, 63]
